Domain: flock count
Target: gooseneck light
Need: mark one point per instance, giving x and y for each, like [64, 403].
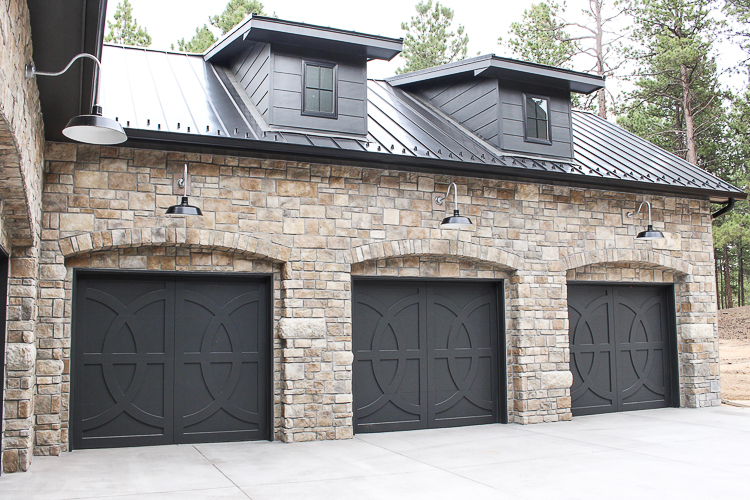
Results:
[93, 128]
[649, 233]
[184, 208]
[455, 221]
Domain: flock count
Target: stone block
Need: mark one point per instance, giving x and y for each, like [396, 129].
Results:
[91, 179]
[293, 371]
[557, 380]
[49, 367]
[141, 201]
[302, 328]
[297, 189]
[77, 222]
[20, 357]
[691, 331]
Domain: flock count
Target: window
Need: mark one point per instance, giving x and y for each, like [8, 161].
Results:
[319, 89]
[536, 110]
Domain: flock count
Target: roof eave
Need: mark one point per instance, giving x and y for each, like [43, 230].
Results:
[267, 29]
[149, 139]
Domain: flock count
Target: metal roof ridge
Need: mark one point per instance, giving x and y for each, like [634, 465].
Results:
[149, 49]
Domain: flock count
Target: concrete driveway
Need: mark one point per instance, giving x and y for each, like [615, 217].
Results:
[668, 453]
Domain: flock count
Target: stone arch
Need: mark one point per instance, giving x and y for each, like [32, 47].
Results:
[16, 212]
[402, 248]
[648, 257]
[204, 239]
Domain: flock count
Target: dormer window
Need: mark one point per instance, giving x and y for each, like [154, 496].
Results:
[536, 111]
[319, 89]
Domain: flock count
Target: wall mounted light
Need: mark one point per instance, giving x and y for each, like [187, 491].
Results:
[456, 221]
[649, 233]
[184, 208]
[93, 128]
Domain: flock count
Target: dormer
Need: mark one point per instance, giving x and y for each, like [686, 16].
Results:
[299, 77]
[517, 106]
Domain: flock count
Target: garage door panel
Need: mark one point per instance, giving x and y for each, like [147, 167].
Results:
[619, 348]
[222, 324]
[425, 355]
[122, 362]
[169, 360]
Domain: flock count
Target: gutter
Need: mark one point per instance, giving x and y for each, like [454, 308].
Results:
[152, 139]
[726, 208]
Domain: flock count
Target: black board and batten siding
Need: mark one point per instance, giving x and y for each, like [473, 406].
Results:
[473, 103]
[252, 69]
[286, 98]
[512, 125]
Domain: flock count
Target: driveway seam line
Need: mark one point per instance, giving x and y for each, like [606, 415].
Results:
[222, 472]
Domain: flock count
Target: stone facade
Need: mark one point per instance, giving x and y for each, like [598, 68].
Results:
[315, 226]
[21, 163]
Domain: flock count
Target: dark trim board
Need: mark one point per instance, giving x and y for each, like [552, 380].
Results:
[4, 261]
[196, 365]
[428, 353]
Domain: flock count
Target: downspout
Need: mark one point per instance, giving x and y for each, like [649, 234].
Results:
[726, 208]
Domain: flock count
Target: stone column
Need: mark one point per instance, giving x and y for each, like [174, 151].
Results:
[21, 361]
[316, 359]
[540, 347]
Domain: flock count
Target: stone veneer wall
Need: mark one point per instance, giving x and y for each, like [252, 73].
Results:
[21, 163]
[320, 224]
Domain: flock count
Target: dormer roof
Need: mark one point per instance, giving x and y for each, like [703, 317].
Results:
[271, 30]
[492, 66]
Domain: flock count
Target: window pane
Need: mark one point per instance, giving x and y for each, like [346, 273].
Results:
[312, 100]
[530, 108]
[541, 108]
[326, 101]
[326, 78]
[531, 128]
[541, 129]
[313, 77]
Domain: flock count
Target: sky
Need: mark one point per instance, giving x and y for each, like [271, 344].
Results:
[484, 20]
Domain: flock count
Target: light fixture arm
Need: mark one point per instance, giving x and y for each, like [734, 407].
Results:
[183, 183]
[440, 199]
[30, 71]
[630, 214]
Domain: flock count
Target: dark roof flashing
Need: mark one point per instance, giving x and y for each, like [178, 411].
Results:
[271, 30]
[493, 66]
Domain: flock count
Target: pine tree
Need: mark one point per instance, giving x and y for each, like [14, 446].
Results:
[429, 40]
[540, 37]
[125, 29]
[234, 12]
[677, 90]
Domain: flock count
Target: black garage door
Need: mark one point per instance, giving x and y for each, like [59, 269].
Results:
[169, 359]
[425, 354]
[620, 347]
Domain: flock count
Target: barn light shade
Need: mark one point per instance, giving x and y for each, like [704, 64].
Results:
[455, 221]
[649, 233]
[184, 208]
[93, 128]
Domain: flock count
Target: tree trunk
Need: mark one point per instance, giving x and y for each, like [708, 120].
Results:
[692, 156]
[596, 8]
[741, 271]
[727, 280]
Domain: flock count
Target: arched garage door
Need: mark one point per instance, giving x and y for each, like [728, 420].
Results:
[621, 347]
[425, 354]
[169, 358]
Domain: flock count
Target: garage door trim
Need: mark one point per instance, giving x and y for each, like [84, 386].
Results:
[671, 328]
[265, 279]
[501, 355]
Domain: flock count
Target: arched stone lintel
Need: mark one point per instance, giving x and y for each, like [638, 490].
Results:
[610, 256]
[15, 207]
[205, 239]
[448, 248]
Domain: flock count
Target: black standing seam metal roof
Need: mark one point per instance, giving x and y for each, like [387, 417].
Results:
[169, 96]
